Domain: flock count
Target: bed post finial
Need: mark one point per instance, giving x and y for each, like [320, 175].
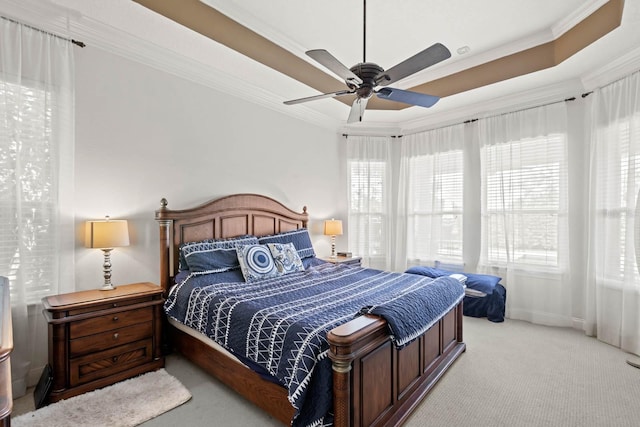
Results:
[163, 203]
[304, 209]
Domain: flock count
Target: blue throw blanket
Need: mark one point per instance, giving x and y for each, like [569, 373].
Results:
[281, 323]
[410, 314]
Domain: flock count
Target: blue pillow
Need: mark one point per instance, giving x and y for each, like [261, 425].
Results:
[256, 262]
[481, 282]
[286, 257]
[214, 256]
[300, 239]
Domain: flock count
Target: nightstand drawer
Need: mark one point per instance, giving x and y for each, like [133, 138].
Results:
[105, 363]
[108, 339]
[355, 261]
[97, 338]
[109, 322]
[97, 307]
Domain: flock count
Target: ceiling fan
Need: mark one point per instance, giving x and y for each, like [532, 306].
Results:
[364, 78]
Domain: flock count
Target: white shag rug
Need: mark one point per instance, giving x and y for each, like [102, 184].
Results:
[124, 404]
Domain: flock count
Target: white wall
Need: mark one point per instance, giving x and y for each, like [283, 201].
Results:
[143, 134]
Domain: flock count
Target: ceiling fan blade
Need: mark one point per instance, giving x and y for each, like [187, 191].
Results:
[357, 110]
[408, 97]
[428, 57]
[324, 95]
[330, 62]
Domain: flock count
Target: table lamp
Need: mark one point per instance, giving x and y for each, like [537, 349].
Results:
[107, 234]
[333, 228]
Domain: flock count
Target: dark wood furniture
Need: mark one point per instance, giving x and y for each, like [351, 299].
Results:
[6, 346]
[354, 260]
[97, 338]
[374, 384]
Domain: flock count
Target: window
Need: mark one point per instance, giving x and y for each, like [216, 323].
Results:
[523, 187]
[618, 203]
[28, 199]
[368, 173]
[434, 215]
[367, 208]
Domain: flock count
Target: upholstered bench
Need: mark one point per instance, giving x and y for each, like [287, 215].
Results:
[484, 295]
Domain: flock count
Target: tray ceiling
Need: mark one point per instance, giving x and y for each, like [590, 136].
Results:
[518, 52]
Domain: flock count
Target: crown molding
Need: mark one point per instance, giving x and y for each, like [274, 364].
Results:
[44, 15]
[249, 20]
[448, 68]
[612, 71]
[371, 129]
[164, 59]
[73, 24]
[580, 14]
[499, 105]
[51, 15]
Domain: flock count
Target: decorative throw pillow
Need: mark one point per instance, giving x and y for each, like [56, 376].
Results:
[286, 257]
[256, 262]
[300, 239]
[214, 256]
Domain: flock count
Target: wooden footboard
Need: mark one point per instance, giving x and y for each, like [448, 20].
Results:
[374, 384]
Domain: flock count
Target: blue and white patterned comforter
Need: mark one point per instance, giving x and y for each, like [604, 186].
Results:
[281, 323]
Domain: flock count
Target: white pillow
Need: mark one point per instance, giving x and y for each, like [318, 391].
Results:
[286, 257]
[256, 262]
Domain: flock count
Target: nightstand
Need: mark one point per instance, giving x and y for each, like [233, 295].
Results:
[353, 260]
[97, 338]
[6, 346]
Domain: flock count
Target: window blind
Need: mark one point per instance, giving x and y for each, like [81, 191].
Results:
[28, 198]
[367, 213]
[434, 214]
[523, 185]
[617, 200]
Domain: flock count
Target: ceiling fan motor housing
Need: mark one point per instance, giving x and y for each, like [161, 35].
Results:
[368, 73]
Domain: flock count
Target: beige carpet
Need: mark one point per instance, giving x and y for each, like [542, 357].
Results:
[515, 374]
[125, 404]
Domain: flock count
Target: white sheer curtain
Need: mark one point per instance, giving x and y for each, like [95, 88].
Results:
[36, 179]
[430, 198]
[370, 181]
[613, 284]
[525, 211]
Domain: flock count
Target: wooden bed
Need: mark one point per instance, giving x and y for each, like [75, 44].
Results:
[373, 383]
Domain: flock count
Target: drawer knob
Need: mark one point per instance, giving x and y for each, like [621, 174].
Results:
[115, 304]
[115, 318]
[115, 336]
[115, 359]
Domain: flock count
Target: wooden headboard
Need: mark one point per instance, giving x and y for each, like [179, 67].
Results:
[228, 216]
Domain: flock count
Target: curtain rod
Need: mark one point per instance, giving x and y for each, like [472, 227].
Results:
[584, 95]
[76, 42]
[346, 135]
[573, 98]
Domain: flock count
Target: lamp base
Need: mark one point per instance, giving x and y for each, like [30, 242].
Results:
[106, 268]
[333, 246]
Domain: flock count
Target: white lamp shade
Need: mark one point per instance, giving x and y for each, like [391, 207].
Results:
[333, 227]
[107, 234]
